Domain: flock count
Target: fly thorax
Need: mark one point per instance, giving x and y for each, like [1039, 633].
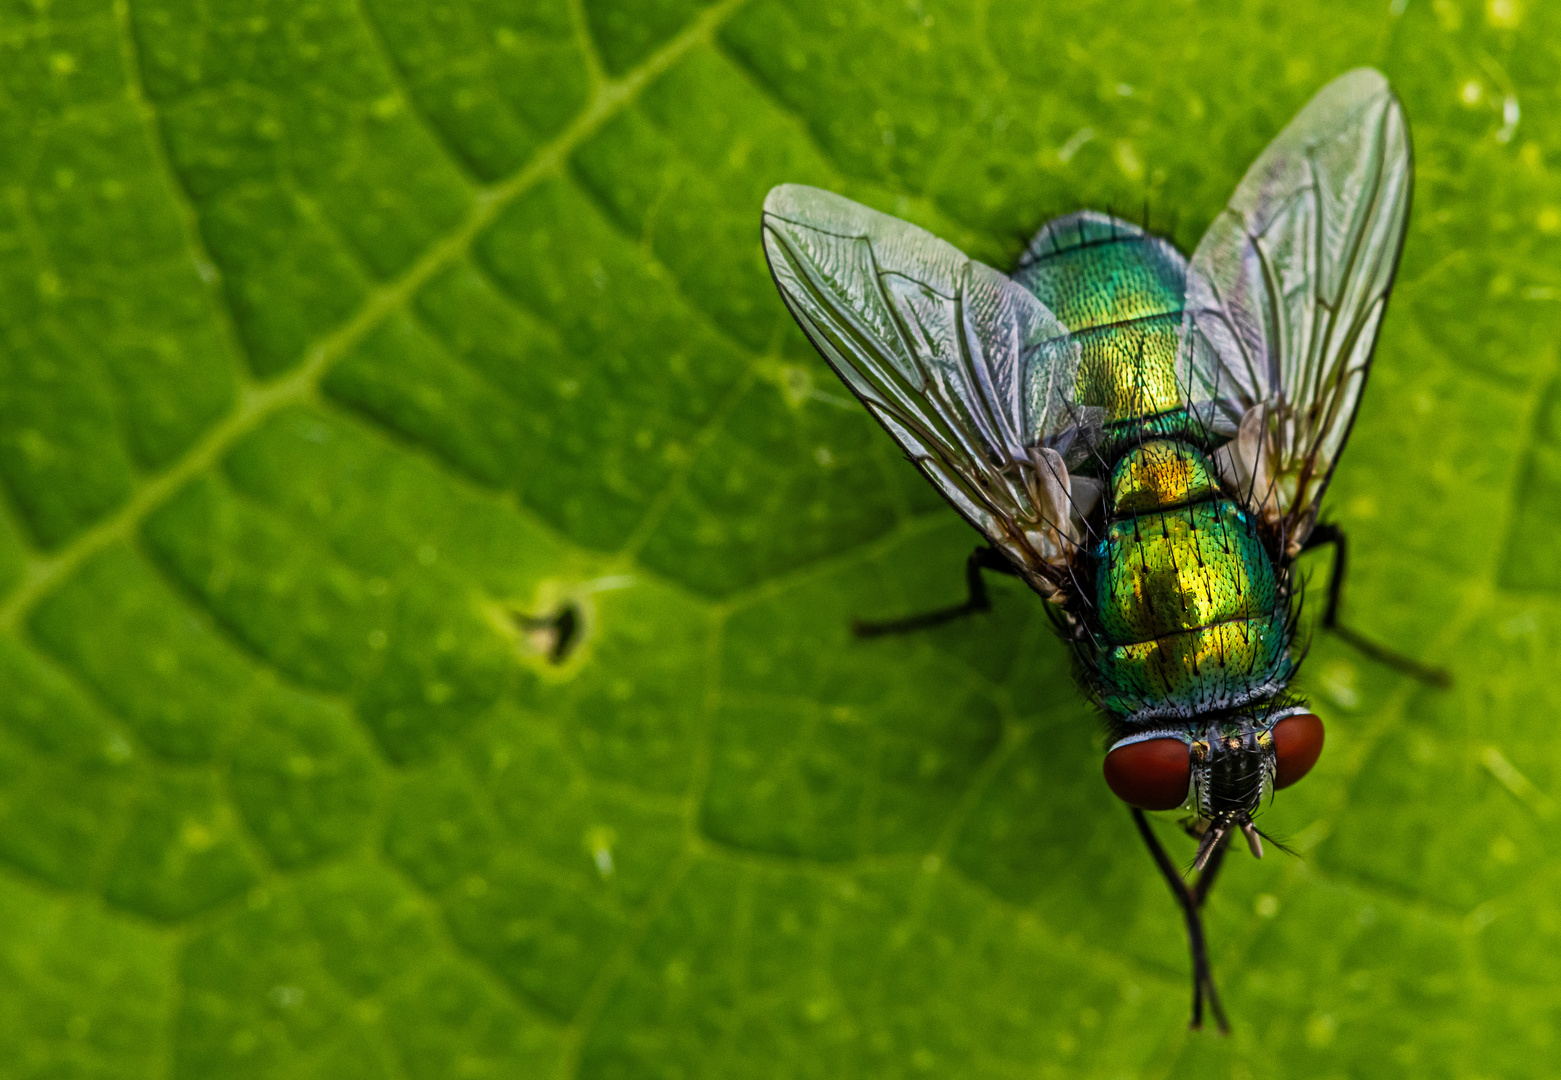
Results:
[1121, 297]
[1129, 369]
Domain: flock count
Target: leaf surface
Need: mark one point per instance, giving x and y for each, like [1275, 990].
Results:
[347, 343]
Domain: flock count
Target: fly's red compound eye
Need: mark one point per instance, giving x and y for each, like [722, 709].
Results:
[1152, 775]
[1298, 740]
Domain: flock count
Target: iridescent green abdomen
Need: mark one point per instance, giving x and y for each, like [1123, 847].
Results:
[1187, 615]
[1190, 615]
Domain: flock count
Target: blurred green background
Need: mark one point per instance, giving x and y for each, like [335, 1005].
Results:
[338, 336]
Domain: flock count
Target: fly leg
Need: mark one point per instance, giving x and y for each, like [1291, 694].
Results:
[1191, 899]
[1332, 534]
[983, 558]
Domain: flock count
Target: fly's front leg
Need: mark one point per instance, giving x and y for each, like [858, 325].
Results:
[983, 558]
[1190, 899]
[1332, 534]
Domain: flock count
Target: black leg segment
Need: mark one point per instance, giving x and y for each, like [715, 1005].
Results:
[1332, 534]
[983, 558]
[1191, 900]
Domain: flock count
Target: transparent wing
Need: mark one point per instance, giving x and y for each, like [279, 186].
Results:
[970, 373]
[1287, 289]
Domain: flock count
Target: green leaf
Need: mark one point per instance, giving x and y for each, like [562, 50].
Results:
[343, 345]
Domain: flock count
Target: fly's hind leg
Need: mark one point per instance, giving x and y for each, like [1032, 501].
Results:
[983, 558]
[1332, 534]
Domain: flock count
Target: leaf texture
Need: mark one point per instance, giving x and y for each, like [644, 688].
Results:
[347, 344]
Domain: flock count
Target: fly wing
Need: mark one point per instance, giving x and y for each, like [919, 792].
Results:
[970, 374]
[1287, 289]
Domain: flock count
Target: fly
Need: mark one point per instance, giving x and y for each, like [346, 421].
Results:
[1144, 439]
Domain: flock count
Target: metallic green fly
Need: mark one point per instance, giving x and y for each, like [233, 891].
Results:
[1143, 439]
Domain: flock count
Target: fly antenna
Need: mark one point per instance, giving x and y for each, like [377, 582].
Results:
[1254, 844]
[1280, 844]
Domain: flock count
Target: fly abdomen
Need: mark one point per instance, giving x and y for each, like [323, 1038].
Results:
[1189, 608]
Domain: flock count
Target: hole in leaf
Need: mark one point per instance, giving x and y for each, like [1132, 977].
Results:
[555, 635]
